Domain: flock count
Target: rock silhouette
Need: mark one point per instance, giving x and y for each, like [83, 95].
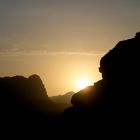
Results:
[116, 95]
[24, 102]
[20, 93]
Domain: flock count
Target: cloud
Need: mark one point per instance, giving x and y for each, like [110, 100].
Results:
[17, 46]
[17, 51]
[75, 53]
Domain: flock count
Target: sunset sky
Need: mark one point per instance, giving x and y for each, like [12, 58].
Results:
[62, 40]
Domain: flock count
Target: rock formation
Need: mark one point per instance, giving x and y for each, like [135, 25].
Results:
[117, 93]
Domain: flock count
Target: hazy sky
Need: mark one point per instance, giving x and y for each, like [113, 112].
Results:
[62, 40]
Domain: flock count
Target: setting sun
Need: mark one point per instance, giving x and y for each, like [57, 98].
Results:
[84, 82]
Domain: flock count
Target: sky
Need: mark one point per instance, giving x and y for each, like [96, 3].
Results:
[62, 40]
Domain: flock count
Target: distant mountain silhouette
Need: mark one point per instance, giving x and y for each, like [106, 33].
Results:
[64, 100]
[116, 95]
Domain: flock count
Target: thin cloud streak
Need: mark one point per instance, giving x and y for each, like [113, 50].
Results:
[12, 52]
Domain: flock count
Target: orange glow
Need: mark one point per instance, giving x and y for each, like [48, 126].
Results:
[83, 82]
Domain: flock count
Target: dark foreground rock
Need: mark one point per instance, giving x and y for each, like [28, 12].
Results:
[115, 98]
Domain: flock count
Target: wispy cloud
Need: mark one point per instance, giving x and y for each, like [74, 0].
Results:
[17, 51]
[74, 53]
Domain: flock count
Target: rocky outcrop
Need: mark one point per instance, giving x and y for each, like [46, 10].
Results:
[118, 91]
[20, 94]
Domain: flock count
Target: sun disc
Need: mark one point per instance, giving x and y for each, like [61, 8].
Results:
[83, 82]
